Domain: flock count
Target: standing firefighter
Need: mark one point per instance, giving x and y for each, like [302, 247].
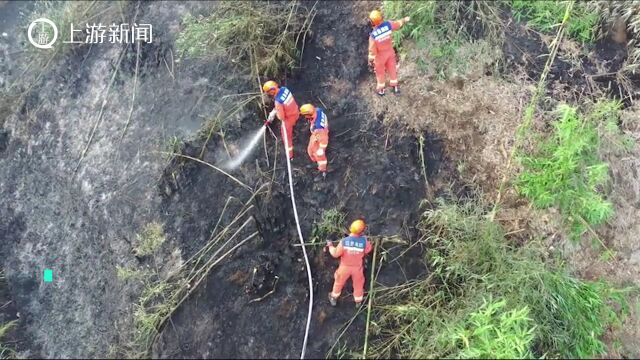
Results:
[286, 109]
[381, 53]
[351, 252]
[319, 139]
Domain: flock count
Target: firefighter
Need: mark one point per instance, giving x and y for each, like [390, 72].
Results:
[286, 109]
[351, 251]
[319, 139]
[381, 54]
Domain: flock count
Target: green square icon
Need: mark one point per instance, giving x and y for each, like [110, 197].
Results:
[48, 275]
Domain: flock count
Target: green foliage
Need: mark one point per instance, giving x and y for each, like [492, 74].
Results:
[150, 240]
[493, 333]
[255, 34]
[441, 28]
[566, 171]
[5, 351]
[124, 273]
[331, 225]
[541, 311]
[546, 15]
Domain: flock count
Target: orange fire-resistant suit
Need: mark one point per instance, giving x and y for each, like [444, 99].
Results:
[287, 111]
[351, 252]
[319, 139]
[382, 54]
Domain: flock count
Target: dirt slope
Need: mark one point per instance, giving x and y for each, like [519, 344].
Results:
[367, 177]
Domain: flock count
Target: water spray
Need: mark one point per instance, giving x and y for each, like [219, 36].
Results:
[247, 150]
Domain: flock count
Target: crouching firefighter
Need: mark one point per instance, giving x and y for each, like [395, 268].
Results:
[351, 251]
[286, 109]
[319, 139]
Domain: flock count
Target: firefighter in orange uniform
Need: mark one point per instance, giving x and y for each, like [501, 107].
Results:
[319, 139]
[381, 53]
[351, 251]
[286, 109]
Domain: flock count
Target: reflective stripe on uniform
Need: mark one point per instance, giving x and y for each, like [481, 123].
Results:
[350, 247]
[323, 162]
[381, 84]
[323, 145]
[358, 298]
[384, 37]
[393, 82]
[334, 295]
[320, 152]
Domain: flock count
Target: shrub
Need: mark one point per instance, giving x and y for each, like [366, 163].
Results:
[566, 170]
[264, 35]
[541, 310]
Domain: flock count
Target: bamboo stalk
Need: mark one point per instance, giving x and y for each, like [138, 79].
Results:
[528, 116]
[104, 104]
[371, 293]
[209, 165]
[133, 96]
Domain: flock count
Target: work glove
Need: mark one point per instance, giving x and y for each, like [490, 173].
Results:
[272, 115]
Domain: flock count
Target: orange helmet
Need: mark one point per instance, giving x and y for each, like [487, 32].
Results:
[375, 17]
[270, 87]
[307, 110]
[357, 227]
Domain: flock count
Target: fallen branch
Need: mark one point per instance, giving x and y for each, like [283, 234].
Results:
[267, 294]
[209, 165]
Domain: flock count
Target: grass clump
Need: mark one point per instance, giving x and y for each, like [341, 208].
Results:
[540, 310]
[5, 351]
[150, 240]
[492, 332]
[331, 224]
[546, 15]
[566, 170]
[265, 34]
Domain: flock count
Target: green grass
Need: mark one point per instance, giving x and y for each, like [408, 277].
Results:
[566, 170]
[150, 240]
[494, 333]
[330, 226]
[262, 36]
[7, 352]
[539, 309]
[441, 30]
[546, 15]
[124, 273]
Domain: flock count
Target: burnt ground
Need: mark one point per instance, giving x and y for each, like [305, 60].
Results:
[83, 225]
[372, 174]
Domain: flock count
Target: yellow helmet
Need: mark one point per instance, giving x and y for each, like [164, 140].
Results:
[375, 17]
[307, 110]
[357, 227]
[270, 86]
